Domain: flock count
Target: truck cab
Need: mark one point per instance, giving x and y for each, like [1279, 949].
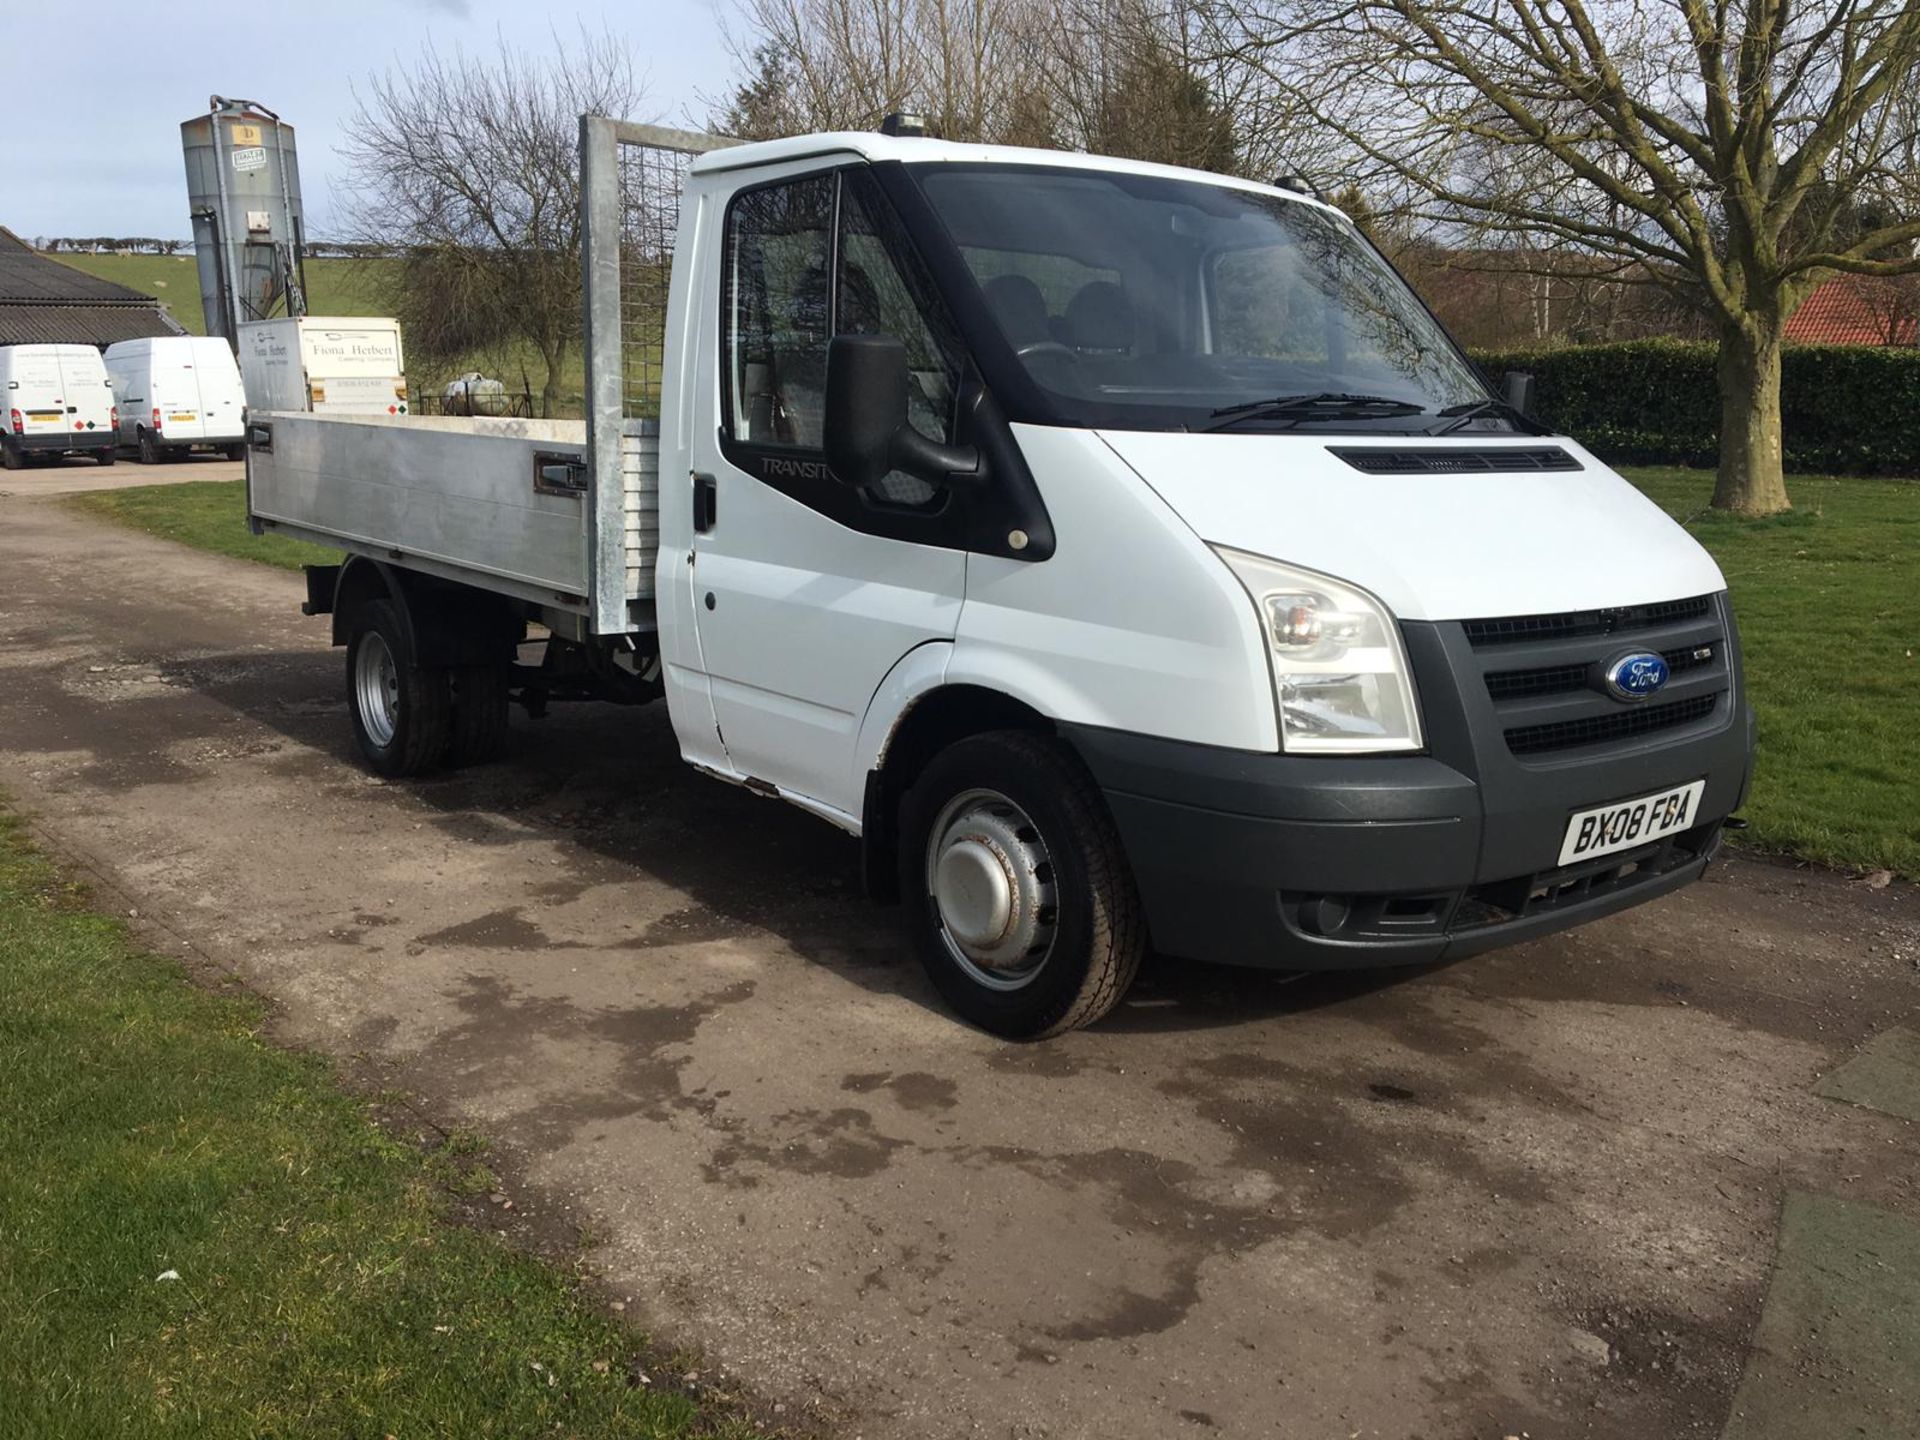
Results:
[1124, 553]
[1201, 536]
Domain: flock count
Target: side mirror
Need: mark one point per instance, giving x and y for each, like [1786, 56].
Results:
[867, 432]
[1516, 388]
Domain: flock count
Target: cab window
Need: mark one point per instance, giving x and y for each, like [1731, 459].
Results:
[808, 259]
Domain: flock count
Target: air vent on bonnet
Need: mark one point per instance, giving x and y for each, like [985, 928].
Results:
[1454, 460]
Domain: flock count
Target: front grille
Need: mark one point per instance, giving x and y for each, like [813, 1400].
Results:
[1454, 459]
[1561, 679]
[1601, 729]
[1549, 680]
[1520, 629]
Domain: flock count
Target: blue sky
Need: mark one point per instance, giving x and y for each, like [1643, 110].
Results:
[94, 146]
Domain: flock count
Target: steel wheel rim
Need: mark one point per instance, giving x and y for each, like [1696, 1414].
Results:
[376, 687]
[994, 890]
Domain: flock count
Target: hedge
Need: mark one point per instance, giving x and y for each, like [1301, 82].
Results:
[1846, 409]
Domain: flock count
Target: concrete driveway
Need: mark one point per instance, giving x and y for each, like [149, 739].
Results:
[1537, 1193]
[70, 476]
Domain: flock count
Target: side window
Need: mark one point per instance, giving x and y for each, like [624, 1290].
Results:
[874, 296]
[779, 244]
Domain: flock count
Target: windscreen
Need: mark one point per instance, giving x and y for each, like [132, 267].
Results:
[1142, 301]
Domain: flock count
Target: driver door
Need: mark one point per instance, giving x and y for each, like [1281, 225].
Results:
[806, 592]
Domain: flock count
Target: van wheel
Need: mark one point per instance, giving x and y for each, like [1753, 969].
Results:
[105, 457]
[149, 453]
[479, 724]
[234, 452]
[1018, 891]
[401, 711]
[11, 459]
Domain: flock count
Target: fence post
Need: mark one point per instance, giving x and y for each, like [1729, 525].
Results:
[600, 275]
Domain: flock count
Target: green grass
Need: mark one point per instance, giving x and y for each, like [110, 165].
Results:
[146, 1127]
[335, 286]
[206, 514]
[1828, 601]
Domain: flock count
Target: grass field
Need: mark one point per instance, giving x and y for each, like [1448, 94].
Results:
[1828, 599]
[207, 514]
[337, 286]
[202, 1235]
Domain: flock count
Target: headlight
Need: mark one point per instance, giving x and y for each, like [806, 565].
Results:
[1340, 678]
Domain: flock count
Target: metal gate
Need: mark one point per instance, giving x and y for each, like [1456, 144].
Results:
[631, 178]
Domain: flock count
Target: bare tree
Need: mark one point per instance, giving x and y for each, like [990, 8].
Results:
[469, 169]
[1727, 145]
[1117, 76]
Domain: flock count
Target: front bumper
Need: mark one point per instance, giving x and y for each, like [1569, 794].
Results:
[1300, 862]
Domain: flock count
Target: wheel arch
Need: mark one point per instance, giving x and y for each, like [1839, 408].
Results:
[931, 722]
[444, 623]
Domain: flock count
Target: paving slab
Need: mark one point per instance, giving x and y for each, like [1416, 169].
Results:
[1838, 1349]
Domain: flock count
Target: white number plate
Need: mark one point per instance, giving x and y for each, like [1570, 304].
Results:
[1630, 822]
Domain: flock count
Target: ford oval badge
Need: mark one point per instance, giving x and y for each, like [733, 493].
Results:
[1637, 676]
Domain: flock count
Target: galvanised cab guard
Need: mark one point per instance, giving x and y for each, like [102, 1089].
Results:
[1123, 552]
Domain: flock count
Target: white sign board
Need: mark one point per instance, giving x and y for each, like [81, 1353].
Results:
[252, 157]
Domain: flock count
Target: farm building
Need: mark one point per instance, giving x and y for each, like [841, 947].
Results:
[42, 300]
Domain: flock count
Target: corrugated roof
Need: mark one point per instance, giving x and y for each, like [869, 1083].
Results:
[43, 301]
[1857, 310]
[81, 324]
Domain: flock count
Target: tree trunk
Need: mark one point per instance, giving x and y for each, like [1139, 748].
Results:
[1752, 478]
[552, 357]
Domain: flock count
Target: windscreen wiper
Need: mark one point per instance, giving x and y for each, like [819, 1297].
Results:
[1459, 416]
[1325, 405]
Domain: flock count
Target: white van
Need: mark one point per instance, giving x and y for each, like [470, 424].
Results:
[177, 393]
[58, 402]
[340, 365]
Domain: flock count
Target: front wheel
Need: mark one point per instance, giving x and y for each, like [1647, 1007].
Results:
[1018, 890]
[105, 457]
[401, 711]
[11, 459]
[148, 450]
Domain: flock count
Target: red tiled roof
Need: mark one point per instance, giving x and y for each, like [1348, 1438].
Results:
[1858, 310]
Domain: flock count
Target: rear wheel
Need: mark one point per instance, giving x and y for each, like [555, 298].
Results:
[149, 450]
[10, 458]
[105, 457]
[478, 731]
[234, 452]
[1017, 887]
[401, 711]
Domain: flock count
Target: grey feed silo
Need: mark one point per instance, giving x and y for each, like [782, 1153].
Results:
[243, 188]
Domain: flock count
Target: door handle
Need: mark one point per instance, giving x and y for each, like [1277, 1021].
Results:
[706, 502]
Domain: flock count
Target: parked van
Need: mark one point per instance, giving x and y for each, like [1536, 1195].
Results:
[339, 365]
[58, 402]
[176, 394]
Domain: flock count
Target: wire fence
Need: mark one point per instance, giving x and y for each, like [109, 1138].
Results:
[652, 178]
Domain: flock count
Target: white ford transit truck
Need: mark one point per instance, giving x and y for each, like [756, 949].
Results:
[1123, 553]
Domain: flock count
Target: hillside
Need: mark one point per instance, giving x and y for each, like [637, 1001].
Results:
[337, 287]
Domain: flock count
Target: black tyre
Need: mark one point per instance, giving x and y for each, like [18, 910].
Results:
[401, 712]
[148, 450]
[1017, 888]
[106, 456]
[235, 451]
[479, 722]
[11, 459]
